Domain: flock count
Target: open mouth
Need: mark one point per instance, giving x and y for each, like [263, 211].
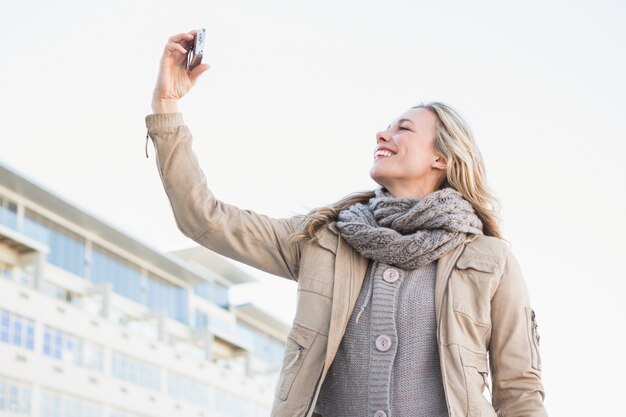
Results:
[383, 154]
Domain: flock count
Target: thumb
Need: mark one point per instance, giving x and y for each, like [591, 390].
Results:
[197, 71]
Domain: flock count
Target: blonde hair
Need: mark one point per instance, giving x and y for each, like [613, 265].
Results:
[465, 173]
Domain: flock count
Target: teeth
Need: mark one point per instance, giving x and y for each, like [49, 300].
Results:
[383, 153]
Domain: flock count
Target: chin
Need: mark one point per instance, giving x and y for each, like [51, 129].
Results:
[373, 174]
[379, 179]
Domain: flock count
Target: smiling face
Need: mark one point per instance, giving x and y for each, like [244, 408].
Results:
[405, 161]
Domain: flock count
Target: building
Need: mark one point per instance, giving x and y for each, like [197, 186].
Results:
[95, 323]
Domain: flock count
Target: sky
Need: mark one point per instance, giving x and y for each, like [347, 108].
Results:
[285, 121]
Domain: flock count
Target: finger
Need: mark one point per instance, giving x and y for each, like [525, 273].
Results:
[197, 71]
[180, 37]
[175, 47]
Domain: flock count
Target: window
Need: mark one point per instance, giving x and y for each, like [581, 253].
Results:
[15, 396]
[5, 270]
[162, 295]
[266, 347]
[67, 249]
[202, 320]
[60, 293]
[229, 404]
[213, 292]
[8, 213]
[71, 349]
[16, 330]
[135, 371]
[123, 413]
[54, 290]
[220, 324]
[27, 275]
[57, 404]
[186, 389]
[123, 275]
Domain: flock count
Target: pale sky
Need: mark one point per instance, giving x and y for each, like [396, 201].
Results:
[286, 118]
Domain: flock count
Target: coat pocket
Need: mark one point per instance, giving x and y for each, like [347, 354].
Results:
[533, 338]
[299, 341]
[472, 284]
[476, 371]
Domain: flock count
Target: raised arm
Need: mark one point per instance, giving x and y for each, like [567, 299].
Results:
[243, 235]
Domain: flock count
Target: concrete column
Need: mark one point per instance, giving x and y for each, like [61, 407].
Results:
[161, 316]
[105, 290]
[208, 345]
[36, 260]
[35, 400]
[248, 365]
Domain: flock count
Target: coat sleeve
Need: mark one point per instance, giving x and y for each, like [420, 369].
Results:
[514, 348]
[243, 235]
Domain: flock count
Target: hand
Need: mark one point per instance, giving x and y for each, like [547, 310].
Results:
[174, 81]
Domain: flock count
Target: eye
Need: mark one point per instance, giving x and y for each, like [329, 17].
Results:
[403, 128]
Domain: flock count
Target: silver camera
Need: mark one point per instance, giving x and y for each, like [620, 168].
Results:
[195, 53]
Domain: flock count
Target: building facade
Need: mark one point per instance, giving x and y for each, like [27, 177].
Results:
[95, 323]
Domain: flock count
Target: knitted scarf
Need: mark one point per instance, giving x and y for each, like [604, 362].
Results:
[406, 232]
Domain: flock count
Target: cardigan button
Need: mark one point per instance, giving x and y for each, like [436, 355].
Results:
[391, 275]
[383, 343]
[380, 413]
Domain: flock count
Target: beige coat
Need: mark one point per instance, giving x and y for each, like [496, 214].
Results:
[484, 319]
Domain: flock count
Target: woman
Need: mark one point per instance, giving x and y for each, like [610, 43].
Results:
[407, 295]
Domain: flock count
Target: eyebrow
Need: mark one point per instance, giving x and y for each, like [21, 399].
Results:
[401, 121]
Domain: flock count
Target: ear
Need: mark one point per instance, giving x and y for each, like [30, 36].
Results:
[439, 163]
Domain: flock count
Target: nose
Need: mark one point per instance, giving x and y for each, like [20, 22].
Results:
[382, 136]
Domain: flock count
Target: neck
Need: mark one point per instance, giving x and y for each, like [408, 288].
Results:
[416, 193]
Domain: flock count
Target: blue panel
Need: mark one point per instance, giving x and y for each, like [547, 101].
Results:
[8, 214]
[66, 250]
[213, 292]
[125, 279]
[174, 300]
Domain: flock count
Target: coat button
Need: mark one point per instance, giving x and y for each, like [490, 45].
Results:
[391, 275]
[383, 343]
[380, 413]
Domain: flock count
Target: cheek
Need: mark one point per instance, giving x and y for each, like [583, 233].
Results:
[414, 166]
[416, 159]
[419, 156]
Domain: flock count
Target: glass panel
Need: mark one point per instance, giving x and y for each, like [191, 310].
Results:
[53, 290]
[30, 336]
[135, 371]
[67, 249]
[220, 324]
[232, 405]
[56, 404]
[265, 347]
[122, 274]
[122, 413]
[162, 295]
[5, 270]
[71, 349]
[201, 320]
[8, 213]
[213, 292]
[15, 396]
[15, 329]
[186, 389]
